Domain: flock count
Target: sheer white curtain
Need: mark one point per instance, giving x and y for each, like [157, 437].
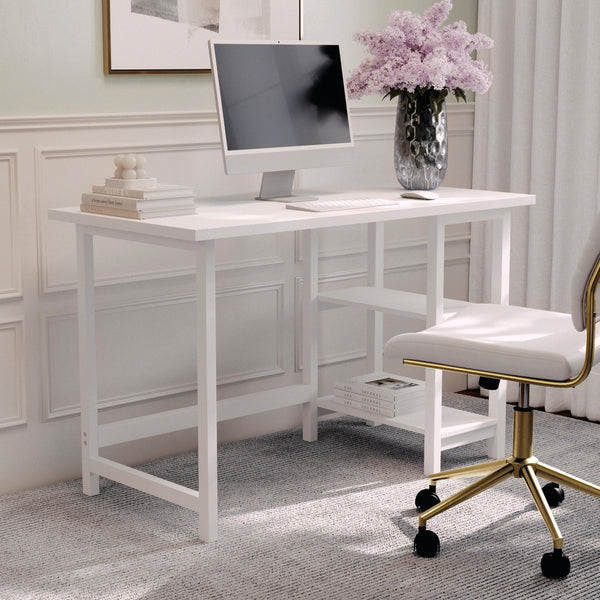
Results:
[538, 131]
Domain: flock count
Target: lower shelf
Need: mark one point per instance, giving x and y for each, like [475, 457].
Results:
[394, 302]
[458, 426]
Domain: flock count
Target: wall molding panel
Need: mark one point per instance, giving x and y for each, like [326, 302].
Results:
[12, 375]
[10, 251]
[169, 368]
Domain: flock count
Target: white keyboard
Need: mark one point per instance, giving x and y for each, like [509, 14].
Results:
[324, 205]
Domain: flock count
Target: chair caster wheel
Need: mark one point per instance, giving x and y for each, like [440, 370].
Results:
[426, 499]
[427, 543]
[555, 565]
[554, 494]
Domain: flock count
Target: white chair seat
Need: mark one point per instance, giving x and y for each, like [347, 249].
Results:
[502, 339]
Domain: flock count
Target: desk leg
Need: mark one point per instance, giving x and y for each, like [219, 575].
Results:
[207, 390]
[433, 377]
[310, 331]
[375, 279]
[375, 272]
[88, 386]
[499, 295]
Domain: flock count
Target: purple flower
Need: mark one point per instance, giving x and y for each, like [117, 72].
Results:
[416, 52]
[438, 13]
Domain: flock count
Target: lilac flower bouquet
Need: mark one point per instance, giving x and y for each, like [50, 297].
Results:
[415, 56]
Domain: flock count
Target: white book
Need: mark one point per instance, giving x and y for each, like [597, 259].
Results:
[158, 191]
[136, 214]
[376, 402]
[383, 386]
[365, 408]
[142, 184]
[125, 202]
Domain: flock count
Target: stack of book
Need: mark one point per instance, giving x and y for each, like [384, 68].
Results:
[376, 393]
[138, 199]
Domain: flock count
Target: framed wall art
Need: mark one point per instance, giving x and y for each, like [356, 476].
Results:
[171, 36]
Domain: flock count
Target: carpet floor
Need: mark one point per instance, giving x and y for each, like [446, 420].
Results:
[334, 519]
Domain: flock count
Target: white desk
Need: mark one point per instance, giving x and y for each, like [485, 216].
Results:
[234, 217]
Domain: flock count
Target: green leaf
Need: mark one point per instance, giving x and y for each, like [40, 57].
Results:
[392, 94]
[460, 94]
[423, 96]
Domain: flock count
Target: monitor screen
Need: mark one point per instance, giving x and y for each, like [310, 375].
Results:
[282, 105]
[276, 95]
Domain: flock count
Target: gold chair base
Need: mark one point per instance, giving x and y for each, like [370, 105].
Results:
[521, 464]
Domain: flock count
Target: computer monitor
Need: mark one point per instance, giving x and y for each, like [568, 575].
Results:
[281, 106]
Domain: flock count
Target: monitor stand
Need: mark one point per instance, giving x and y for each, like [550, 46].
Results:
[276, 186]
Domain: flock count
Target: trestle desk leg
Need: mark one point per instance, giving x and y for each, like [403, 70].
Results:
[207, 390]
[500, 279]
[433, 378]
[88, 385]
[310, 331]
[375, 273]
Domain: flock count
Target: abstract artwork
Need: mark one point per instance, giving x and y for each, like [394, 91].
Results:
[166, 36]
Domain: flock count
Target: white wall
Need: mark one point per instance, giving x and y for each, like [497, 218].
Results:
[61, 123]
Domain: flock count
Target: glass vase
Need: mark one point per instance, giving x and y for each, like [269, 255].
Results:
[420, 143]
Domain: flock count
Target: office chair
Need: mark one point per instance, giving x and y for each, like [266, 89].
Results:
[531, 347]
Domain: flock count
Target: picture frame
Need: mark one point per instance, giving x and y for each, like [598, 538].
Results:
[171, 36]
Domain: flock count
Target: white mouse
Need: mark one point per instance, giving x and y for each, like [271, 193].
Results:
[420, 194]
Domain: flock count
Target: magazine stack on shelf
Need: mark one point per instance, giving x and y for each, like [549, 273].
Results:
[375, 394]
[134, 195]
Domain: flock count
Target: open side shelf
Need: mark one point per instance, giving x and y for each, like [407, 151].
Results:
[458, 426]
[397, 302]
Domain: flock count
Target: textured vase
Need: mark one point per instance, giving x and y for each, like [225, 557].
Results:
[420, 143]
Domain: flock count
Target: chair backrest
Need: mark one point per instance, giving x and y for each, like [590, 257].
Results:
[581, 277]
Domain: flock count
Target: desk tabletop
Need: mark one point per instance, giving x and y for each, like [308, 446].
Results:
[240, 215]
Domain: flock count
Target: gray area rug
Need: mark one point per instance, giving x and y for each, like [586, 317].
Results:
[329, 520]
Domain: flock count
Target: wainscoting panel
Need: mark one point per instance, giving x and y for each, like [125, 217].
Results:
[10, 251]
[12, 397]
[147, 350]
